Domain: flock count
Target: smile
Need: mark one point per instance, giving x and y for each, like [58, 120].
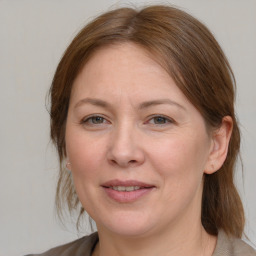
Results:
[126, 191]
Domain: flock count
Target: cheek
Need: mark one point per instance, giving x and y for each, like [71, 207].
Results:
[84, 154]
[85, 157]
[180, 160]
[180, 164]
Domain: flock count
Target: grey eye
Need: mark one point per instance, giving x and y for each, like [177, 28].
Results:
[160, 120]
[97, 119]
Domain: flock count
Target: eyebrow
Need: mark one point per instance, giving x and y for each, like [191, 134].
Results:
[146, 104]
[160, 102]
[93, 101]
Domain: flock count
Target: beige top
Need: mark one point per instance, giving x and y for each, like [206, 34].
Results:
[84, 246]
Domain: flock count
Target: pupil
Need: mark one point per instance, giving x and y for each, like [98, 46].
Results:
[97, 120]
[160, 120]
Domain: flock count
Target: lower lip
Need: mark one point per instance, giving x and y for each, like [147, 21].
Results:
[127, 196]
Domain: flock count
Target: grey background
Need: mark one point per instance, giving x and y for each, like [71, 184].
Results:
[33, 36]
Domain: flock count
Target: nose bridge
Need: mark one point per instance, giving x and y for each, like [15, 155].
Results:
[124, 148]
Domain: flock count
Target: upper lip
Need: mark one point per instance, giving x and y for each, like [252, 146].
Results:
[126, 183]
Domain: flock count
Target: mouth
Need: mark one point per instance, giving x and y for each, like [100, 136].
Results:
[126, 191]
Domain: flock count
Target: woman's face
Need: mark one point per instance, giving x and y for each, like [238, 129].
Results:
[136, 146]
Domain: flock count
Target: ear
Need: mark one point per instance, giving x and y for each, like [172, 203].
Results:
[219, 147]
[68, 165]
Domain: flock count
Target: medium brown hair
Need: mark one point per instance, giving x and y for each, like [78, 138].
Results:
[194, 59]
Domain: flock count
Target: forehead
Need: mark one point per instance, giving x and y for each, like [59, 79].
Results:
[123, 65]
[120, 56]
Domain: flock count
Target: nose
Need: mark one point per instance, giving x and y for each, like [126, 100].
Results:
[125, 149]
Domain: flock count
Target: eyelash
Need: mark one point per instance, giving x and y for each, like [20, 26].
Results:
[89, 120]
[167, 120]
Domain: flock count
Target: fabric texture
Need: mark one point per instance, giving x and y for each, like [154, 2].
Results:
[84, 247]
[230, 246]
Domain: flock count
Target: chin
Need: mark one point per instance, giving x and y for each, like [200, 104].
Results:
[127, 224]
[131, 230]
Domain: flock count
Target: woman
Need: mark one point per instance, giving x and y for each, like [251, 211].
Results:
[143, 119]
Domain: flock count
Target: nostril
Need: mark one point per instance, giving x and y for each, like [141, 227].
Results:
[123, 163]
[113, 161]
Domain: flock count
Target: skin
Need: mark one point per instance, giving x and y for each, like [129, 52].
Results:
[113, 132]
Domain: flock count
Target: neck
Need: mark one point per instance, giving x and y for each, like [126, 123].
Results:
[192, 241]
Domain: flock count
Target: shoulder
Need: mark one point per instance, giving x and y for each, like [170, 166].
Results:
[79, 247]
[230, 246]
[242, 248]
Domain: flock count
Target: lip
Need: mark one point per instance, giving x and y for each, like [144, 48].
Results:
[126, 196]
[126, 183]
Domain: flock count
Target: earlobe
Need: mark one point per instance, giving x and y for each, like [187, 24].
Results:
[68, 164]
[220, 143]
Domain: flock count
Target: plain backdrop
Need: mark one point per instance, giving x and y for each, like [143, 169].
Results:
[33, 36]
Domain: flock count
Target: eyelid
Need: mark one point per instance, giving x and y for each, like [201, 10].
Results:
[85, 119]
[169, 119]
